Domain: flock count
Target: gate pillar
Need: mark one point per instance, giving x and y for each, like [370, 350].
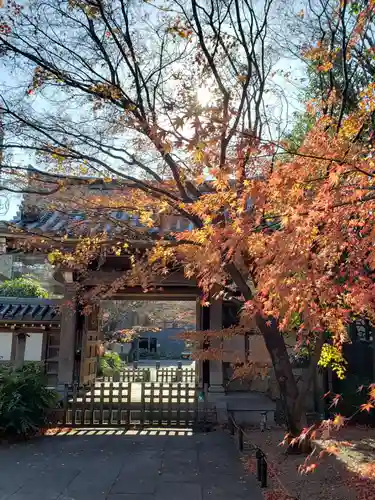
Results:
[216, 366]
[90, 341]
[67, 336]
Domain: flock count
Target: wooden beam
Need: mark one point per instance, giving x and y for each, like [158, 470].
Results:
[162, 297]
[27, 328]
[7, 325]
[176, 279]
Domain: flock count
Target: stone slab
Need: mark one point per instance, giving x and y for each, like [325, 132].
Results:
[179, 491]
[126, 466]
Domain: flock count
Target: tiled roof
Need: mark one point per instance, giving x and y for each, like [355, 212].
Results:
[75, 225]
[28, 310]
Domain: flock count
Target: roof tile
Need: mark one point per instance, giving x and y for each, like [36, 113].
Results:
[28, 310]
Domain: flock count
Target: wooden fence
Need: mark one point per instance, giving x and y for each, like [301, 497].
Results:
[130, 375]
[169, 375]
[163, 375]
[118, 404]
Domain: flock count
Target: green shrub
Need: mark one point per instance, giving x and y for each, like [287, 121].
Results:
[24, 399]
[25, 286]
[110, 363]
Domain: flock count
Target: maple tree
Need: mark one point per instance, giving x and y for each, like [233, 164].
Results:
[166, 102]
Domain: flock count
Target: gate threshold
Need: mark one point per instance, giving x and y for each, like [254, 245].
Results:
[116, 431]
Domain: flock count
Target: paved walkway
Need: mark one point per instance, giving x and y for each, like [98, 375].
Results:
[126, 467]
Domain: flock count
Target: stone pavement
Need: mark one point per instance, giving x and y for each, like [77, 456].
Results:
[126, 467]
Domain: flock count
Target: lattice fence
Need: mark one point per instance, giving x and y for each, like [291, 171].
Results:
[117, 404]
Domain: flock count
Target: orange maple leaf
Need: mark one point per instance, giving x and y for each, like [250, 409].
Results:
[332, 450]
[335, 400]
[311, 468]
[367, 407]
[371, 392]
[346, 444]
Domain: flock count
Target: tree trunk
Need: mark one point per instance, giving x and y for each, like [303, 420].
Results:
[309, 375]
[283, 370]
[294, 400]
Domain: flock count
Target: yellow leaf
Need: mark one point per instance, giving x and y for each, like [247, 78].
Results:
[339, 421]
[167, 146]
[198, 155]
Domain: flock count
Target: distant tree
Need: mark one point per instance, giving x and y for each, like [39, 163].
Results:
[24, 286]
[302, 125]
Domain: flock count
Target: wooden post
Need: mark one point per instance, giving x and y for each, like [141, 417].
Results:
[20, 350]
[143, 403]
[92, 403]
[65, 404]
[178, 414]
[170, 405]
[110, 416]
[74, 404]
[101, 415]
[119, 405]
[84, 407]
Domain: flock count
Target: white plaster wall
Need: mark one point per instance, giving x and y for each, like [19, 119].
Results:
[33, 349]
[5, 345]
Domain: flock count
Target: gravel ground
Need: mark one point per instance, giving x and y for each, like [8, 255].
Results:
[344, 471]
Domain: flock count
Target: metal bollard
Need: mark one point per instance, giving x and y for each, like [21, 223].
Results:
[258, 456]
[263, 422]
[240, 439]
[264, 467]
[231, 426]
